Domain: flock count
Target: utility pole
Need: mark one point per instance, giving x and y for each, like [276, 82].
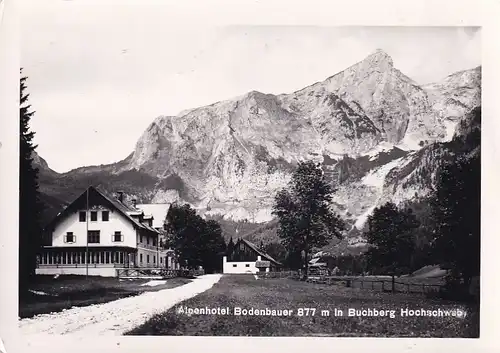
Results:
[87, 237]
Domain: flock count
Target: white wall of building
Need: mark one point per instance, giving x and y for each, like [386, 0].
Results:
[239, 267]
[93, 271]
[117, 222]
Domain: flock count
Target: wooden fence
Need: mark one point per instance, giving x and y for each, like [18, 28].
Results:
[399, 285]
[379, 284]
[278, 274]
[156, 273]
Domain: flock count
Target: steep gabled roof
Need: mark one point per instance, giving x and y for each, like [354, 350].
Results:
[260, 252]
[121, 207]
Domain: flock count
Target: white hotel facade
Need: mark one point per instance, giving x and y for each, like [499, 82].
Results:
[99, 234]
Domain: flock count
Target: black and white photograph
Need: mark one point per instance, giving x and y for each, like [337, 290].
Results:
[246, 180]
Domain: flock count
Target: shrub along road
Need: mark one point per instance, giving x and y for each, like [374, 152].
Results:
[315, 312]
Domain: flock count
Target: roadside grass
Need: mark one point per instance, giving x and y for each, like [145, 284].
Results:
[67, 291]
[246, 292]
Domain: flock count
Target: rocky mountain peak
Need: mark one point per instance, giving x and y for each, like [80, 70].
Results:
[380, 59]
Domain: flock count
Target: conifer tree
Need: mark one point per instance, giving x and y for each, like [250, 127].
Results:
[230, 247]
[30, 237]
[457, 212]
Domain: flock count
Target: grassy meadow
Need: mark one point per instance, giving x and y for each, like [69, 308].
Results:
[247, 292]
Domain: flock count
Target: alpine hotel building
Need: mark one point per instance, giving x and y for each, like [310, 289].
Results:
[111, 233]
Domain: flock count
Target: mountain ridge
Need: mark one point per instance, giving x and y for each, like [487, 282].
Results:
[366, 124]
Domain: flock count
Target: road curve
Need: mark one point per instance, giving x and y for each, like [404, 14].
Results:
[116, 317]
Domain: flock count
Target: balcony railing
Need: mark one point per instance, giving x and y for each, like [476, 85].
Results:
[142, 265]
[82, 265]
[149, 246]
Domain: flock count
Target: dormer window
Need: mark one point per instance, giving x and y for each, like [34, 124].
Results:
[83, 216]
[105, 216]
[93, 216]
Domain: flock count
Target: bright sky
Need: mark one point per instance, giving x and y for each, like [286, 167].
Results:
[97, 79]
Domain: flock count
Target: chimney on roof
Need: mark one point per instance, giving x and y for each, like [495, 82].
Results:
[120, 196]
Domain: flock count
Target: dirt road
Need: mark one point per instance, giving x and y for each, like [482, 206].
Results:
[117, 317]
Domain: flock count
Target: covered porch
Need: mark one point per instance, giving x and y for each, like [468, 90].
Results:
[80, 257]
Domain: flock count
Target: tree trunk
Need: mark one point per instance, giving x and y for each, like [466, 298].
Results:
[306, 267]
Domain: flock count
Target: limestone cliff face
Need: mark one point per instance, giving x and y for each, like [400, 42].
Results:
[455, 96]
[233, 156]
[243, 149]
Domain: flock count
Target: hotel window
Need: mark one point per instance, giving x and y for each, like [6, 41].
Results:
[140, 258]
[147, 240]
[69, 237]
[154, 259]
[93, 216]
[154, 241]
[105, 216]
[117, 236]
[147, 259]
[94, 236]
[161, 259]
[235, 265]
[102, 257]
[83, 215]
[107, 257]
[141, 240]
